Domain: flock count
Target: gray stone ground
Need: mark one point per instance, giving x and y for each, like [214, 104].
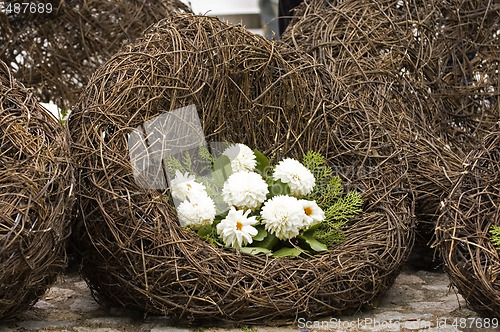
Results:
[419, 301]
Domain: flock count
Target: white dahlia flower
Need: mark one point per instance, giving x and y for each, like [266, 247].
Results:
[245, 190]
[242, 158]
[313, 214]
[283, 216]
[184, 186]
[300, 180]
[237, 228]
[196, 213]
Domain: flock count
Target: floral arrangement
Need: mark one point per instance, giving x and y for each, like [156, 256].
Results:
[288, 209]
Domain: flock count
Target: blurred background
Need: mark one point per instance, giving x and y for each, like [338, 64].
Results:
[259, 16]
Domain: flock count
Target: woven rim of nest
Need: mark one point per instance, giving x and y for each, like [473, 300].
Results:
[61, 49]
[394, 46]
[36, 180]
[462, 233]
[135, 254]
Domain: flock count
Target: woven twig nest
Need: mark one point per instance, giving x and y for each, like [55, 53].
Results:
[460, 64]
[36, 181]
[450, 48]
[458, 61]
[55, 46]
[463, 237]
[383, 50]
[133, 251]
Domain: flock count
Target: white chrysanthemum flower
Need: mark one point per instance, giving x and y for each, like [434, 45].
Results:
[184, 186]
[245, 190]
[196, 213]
[237, 228]
[313, 213]
[283, 216]
[300, 180]
[242, 158]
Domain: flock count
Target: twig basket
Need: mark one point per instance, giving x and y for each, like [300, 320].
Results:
[133, 251]
[54, 46]
[447, 49]
[462, 233]
[36, 183]
[460, 66]
[429, 69]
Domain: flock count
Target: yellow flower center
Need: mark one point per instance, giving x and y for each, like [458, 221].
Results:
[189, 186]
[308, 210]
[239, 225]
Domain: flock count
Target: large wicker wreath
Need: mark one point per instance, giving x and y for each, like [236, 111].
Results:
[36, 184]
[428, 68]
[54, 46]
[133, 251]
[460, 64]
[463, 237]
[446, 49]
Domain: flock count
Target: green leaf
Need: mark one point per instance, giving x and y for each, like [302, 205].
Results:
[222, 162]
[269, 242]
[262, 162]
[261, 235]
[287, 252]
[222, 170]
[204, 231]
[313, 228]
[255, 250]
[315, 245]
[278, 188]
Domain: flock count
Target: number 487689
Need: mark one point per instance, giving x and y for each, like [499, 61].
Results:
[25, 7]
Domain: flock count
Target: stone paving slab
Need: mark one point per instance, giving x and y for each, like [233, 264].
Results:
[419, 301]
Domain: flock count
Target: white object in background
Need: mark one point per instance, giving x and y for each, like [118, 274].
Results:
[225, 7]
[246, 12]
[56, 111]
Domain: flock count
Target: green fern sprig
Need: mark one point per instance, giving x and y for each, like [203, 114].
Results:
[495, 236]
[173, 164]
[187, 163]
[205, 155]
[194, 163]
[316, 163]
[345, 208]
[329, 195]
[336, 216]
